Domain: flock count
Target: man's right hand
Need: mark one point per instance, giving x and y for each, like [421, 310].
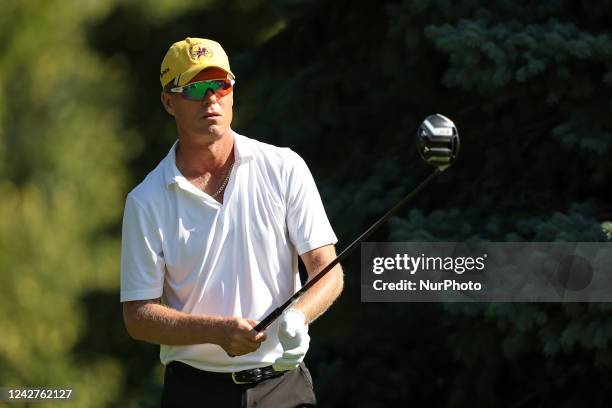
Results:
[239, 337]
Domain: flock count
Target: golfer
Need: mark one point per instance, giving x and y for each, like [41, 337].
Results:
[210, 246]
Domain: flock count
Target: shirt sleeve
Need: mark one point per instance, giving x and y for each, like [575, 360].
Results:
[307, 221]
[142, 262]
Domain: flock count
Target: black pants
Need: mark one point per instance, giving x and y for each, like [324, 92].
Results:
[186, 387]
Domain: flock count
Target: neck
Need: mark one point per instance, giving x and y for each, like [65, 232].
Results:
[199, 157]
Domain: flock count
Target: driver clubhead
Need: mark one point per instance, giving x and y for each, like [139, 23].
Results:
[438, 141]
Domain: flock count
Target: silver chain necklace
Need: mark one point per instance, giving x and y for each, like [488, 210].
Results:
[227, 176]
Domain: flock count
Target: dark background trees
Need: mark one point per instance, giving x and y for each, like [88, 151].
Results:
[345, 84]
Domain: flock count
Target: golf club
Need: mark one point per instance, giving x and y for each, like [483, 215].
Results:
[438, 145]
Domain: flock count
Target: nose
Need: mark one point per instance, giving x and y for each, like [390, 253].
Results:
[210, 96]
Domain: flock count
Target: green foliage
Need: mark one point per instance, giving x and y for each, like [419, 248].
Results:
[345, 84]
[62, 183]
[578, 225]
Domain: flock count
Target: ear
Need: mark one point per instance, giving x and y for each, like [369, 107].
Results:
[166, 100]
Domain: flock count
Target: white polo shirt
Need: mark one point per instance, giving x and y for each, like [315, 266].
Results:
[239, 258]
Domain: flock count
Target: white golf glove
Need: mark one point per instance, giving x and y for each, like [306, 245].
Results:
[293, 336]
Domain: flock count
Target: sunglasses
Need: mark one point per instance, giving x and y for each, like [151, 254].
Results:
[196, 91]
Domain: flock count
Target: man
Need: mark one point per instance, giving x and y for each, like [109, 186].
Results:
[209, 247]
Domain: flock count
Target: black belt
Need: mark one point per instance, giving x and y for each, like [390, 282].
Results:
[252, 376]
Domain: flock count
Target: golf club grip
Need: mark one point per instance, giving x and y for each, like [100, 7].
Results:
[279, 310]
[261, 326]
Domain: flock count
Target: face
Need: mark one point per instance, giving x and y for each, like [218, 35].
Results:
[208, 119]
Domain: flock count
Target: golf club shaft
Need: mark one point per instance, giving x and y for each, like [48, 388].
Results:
[278, 311]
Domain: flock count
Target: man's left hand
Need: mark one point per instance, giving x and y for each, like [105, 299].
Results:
[293, 336]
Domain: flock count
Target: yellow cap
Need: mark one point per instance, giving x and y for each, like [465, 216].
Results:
[186, 58]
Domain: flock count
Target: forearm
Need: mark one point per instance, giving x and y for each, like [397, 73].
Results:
[159, 324]
[320, 297]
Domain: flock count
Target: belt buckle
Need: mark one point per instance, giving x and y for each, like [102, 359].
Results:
[250, 376]
[238, 382]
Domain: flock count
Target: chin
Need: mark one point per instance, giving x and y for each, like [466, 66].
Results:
[212, 132]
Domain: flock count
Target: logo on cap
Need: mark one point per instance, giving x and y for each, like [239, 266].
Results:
[198, 51]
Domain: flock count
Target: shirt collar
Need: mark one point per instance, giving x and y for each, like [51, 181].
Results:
[243, 152]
